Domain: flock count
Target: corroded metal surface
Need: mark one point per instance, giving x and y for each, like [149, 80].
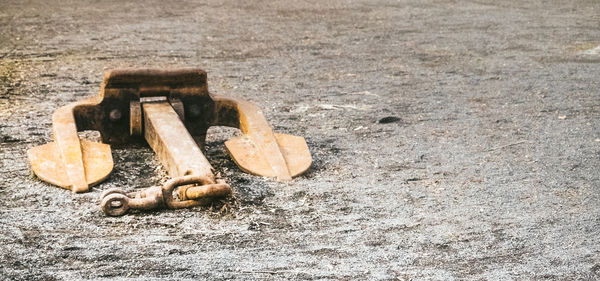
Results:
[68, 162]
[180, 107]
[260, 151]
[194, 195]
[49, 166]
[116, 202]
[174, 146]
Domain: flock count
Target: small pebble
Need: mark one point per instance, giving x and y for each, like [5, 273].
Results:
[389, 119]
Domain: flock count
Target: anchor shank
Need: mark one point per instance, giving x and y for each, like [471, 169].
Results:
[173, 144]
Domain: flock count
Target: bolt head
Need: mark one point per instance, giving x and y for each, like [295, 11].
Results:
[115, 115]
[194, 110]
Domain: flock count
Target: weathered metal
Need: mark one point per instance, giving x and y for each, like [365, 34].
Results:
[195, 195]
[167, 108]
[174, 146]
[116, 202]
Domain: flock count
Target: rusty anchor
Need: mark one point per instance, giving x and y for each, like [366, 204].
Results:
[166, 108]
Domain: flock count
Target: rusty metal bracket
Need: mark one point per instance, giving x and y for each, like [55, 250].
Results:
[116, 202]
[166, 108]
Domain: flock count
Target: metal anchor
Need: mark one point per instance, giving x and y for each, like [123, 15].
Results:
[166, 108]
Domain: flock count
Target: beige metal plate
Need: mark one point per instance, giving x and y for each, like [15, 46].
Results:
[47, 164]
[250, 159]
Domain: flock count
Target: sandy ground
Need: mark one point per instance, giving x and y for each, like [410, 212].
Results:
[450, 139]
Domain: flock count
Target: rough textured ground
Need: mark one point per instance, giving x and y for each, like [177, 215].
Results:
[490, 169]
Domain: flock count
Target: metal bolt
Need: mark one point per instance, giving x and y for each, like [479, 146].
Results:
[194, 110]
[115, 115]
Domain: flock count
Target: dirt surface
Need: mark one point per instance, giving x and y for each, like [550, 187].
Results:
[450, 139]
